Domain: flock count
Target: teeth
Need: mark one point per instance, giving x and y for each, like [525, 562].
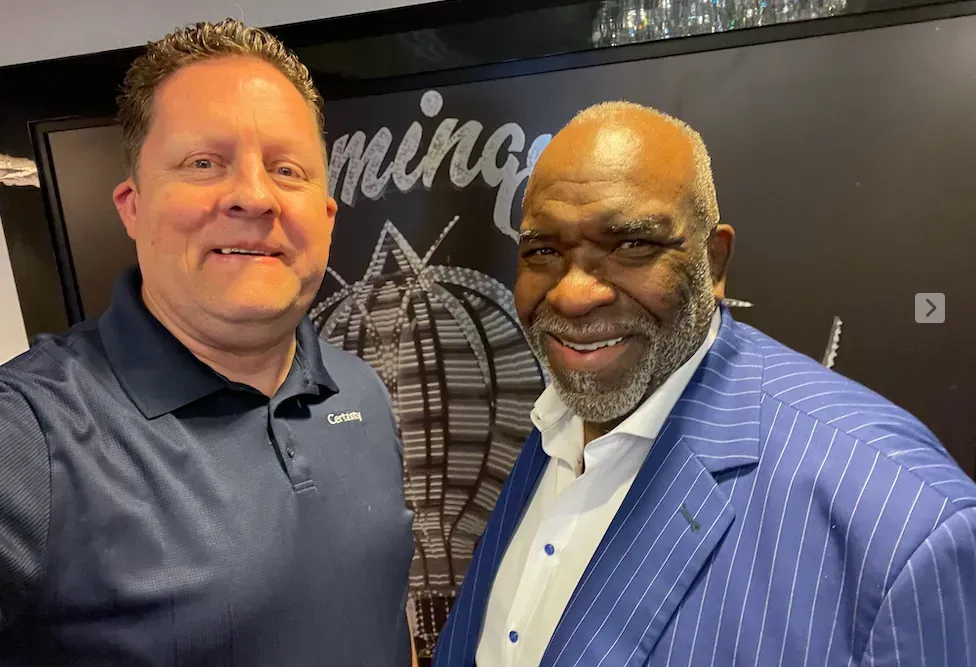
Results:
[589, 347]
[240, 251]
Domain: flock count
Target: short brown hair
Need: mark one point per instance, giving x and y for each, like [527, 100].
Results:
[192, 44]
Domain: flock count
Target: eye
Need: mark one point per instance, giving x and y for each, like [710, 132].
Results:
[633, 244]
[288, 171]
[538, 252]
[203, 163]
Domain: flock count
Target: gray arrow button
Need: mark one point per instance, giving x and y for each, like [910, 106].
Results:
[930, 308]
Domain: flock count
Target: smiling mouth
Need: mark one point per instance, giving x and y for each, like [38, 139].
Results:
[591, 347]
[243, 251]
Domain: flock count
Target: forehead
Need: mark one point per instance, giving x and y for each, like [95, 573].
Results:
[611, 172]
[232, 92]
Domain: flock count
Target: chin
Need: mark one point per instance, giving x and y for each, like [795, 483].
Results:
[602, 381]
[249, 302]
[244, 312]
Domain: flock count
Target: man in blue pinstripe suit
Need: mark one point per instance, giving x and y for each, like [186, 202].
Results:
[694, 492]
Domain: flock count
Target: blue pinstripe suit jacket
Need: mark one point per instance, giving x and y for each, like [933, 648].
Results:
[830, 528]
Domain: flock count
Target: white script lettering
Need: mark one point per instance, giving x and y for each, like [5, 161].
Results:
[362, 160]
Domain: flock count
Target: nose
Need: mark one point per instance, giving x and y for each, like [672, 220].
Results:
[578, 292]
[252, 192]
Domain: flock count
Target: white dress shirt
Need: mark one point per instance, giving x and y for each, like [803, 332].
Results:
[577, 497]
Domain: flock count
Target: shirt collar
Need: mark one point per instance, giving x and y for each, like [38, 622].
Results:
[309, 354]
[156, 370]
[550, 411]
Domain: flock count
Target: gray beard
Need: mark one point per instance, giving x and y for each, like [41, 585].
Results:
[665, 349]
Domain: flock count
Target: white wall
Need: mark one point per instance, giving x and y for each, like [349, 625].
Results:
[42, 29]
[13, 335]
[32, 30]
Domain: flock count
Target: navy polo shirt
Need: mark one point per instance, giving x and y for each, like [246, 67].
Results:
[153, 512]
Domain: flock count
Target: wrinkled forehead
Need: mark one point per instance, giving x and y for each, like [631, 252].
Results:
[611, 171]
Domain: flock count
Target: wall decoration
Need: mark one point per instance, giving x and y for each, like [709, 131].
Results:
[18, 171]
[833, 343]
[843, 211]
[447, 344]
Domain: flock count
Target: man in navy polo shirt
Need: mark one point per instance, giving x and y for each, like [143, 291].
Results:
[196, 478]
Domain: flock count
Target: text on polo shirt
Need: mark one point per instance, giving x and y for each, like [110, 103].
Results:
[345, 417]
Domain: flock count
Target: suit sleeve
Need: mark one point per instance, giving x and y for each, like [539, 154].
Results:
[25, 503]
[928, 616]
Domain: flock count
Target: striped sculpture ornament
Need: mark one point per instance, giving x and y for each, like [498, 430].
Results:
[448, 346]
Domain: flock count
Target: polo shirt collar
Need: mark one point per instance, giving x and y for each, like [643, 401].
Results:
[309, 351]
[156, 370]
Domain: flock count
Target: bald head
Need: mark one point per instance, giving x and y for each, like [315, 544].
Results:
[621, 257]
[642, 150]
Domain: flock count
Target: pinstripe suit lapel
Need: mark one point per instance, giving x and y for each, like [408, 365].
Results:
[459, 639]
[672, 518]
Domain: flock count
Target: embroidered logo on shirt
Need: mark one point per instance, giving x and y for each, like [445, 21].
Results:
[345, 417]
[695, 526]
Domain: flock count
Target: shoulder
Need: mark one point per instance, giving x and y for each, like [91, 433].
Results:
[853, 467]
[59, 368]
[351, 373]
[35, 387]
[364, 388]
[25, 490]
[21, 437]
[879, 443]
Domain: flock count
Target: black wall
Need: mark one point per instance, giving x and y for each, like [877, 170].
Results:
[844, 161]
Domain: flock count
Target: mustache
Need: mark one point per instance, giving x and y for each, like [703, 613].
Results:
[547, 321]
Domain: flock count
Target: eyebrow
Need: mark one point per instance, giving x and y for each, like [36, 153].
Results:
[533, 234]
[653, 223]
[645, 225]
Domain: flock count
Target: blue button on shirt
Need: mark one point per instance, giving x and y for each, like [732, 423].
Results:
[154, 513]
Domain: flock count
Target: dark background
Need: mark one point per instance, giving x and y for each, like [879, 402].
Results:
[845, 162]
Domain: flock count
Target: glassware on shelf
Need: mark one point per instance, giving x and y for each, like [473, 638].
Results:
[620, 22]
